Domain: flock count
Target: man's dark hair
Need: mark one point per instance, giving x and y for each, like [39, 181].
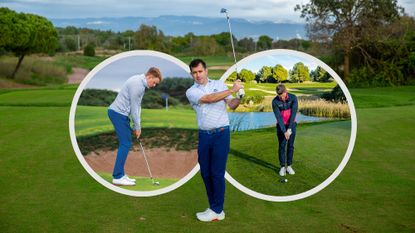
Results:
[196, 62]
[280, 89]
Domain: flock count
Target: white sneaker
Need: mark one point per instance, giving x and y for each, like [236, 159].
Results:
[123, 181]
[290, 170]
[210, 216]
[128, 178]
[282, 171]
[201, 213]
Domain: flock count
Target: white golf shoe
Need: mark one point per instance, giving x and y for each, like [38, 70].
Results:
[123, 181]
[128, 178]
[290, 170]
[201, 213]
[282, 171]
[210, 216]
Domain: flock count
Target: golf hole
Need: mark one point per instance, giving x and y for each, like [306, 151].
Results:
[245, 153]
[162, 147]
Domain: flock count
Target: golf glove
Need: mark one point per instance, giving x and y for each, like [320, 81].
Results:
[240, 94]
[289, 132]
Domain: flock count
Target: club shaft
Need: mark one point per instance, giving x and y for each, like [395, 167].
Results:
[233, 47]
[145, 158]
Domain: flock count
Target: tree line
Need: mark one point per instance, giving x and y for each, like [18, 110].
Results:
[150, 37]
[276, 74]
[368, 43]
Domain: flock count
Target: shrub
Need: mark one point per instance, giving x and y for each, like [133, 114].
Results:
[89, 50]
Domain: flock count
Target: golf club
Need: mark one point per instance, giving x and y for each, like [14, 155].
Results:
[148, 166]
[223, 10]
[241, 92]
[283, 179]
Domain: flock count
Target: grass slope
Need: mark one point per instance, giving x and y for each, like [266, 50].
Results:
[45, 189]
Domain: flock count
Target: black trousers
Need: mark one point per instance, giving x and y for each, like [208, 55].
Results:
[282, 142]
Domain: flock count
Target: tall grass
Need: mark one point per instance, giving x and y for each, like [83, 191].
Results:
[33, 71]
[312, 106]
[323, 108]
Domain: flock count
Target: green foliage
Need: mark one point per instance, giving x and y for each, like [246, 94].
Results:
[97, 97]
[246, 75]
[264, 74]
[335, 95]
[279, 73]
[264, 42]
[24, 34]
[176, 88]
[205, 46]
[148, 37]
[320, 75]
[387, 75]
[89, 50]
[232, 77]
[299, 73]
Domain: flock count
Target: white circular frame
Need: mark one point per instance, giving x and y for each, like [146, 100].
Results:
[352, 140]
[73, 135]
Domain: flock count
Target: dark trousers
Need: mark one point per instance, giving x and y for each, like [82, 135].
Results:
[282, 142]
[213, 152]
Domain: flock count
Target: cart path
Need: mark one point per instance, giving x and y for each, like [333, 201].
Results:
[78, 75]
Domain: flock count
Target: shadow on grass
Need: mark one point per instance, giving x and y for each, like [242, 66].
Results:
[254, 160]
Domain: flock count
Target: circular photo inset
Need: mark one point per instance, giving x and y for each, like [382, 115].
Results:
[131, 125]
[295, 128]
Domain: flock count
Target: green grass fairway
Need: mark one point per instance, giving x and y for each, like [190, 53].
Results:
[308, 88]
[90, 120]
[319, 148]
[142, 183]
[44, 188]
[383, 96]
[41, 97]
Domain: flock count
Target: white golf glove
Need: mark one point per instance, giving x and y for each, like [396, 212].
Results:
[240, 94]
[289, 132]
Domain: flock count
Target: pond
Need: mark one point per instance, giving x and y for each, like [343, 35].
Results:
[240, 121]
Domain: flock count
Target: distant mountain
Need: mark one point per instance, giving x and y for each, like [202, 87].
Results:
[180, 25]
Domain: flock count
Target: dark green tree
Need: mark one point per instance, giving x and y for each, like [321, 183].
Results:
[24, 34]
[264, 42]
[264, 73]
[279, 73]
[345, 23]
[299, 73]
[246, 75]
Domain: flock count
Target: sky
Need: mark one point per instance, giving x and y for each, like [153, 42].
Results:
[272, 10]
[113, 76]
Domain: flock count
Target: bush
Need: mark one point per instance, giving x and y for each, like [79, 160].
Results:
[388, 74]
[96, 97]
[336, 95]
[89, 50]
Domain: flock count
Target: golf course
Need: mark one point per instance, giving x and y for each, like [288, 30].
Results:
[47, 190]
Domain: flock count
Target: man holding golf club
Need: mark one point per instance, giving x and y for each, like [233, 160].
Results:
[126, 104]
[285, 107]
[209, 99]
